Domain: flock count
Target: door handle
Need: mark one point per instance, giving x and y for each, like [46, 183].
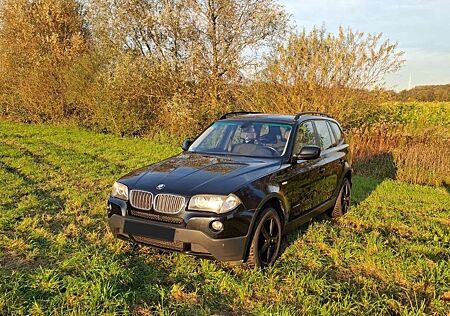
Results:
[322, 170]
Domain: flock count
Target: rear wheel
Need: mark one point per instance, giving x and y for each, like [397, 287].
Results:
[343, 200]
[266, 240]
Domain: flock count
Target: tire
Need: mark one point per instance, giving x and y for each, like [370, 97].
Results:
[343, 200]
[266, 240]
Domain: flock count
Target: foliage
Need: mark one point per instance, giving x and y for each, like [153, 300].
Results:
[329, 73]
[171, 67]
[388, 255]
[427, 93]
[187, 55]
[39, 41]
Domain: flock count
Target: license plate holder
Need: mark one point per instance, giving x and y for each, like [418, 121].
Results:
[149, 230]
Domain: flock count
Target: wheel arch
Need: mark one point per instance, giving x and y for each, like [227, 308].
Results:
[276, 201]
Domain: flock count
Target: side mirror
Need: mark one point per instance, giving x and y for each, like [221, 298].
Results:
[186, 144]
[308, 152]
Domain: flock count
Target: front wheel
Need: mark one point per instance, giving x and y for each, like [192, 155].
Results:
[343, 200]
[266, 240]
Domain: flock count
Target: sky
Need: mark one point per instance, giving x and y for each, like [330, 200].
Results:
[421, 28]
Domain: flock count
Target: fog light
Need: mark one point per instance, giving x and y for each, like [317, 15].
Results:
[217, 225]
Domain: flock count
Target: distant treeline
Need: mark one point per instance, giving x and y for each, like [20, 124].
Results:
[135, 67]
[428, 93]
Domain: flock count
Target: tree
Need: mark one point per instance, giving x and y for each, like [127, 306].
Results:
[39, 39]
[230, 36]
[321, 71]
[135, 67]
[426, 93]
[210, 43]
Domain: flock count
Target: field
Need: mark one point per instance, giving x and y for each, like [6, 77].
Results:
[388, 255]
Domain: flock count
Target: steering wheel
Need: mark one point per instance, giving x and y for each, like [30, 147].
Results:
[274, 151]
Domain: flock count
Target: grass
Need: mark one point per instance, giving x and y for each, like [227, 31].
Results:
[388, 255]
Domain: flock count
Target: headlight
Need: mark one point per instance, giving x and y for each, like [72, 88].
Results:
[120, 191]
[214, 203]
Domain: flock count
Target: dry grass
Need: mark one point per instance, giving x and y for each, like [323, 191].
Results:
[419, 159]
[413, 146]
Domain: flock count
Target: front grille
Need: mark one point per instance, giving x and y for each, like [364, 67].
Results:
[169, 203]
[159, 218]
[141, 200]
[174, 245]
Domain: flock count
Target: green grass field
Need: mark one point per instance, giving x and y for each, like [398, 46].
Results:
[389, 255]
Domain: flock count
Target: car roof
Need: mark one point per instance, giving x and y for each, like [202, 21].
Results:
[274, 118]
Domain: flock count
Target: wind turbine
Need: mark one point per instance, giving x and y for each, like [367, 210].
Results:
[410, 81]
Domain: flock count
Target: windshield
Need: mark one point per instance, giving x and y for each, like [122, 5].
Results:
[246, 138]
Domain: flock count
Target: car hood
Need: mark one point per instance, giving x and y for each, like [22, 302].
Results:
[193, 173]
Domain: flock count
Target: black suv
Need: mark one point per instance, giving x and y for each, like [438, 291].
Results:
[235, 190]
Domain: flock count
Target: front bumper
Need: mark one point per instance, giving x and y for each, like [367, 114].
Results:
[180, 239]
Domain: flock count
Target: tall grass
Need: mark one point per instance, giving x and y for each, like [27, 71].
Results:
[412, 144]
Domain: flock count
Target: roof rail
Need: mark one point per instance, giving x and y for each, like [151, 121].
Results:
[297, 116]
[236, 113]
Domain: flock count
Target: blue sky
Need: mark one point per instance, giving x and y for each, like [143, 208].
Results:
[421, 28]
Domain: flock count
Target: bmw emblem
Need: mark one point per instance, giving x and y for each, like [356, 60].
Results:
[160, 186]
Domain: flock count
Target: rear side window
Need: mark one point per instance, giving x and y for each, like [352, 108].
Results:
[337, 131]
[333, 139]
[325, 140]
[305, 136]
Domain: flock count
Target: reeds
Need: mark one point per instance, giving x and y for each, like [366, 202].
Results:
[414, 156]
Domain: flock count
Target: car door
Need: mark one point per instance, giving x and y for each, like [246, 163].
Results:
[299, 179]
[329, 163]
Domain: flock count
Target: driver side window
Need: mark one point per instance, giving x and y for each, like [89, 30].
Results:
[305, 136]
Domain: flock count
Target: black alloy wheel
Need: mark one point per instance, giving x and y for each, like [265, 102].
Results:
[343, 200]
[266, 240]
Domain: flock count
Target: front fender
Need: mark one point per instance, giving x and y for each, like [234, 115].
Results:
[280, 199]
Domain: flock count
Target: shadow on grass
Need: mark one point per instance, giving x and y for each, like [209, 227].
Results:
[369, 173]
[45, 199]
[379, 166]
[446, 186]
[154, 286]
[362, 187]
